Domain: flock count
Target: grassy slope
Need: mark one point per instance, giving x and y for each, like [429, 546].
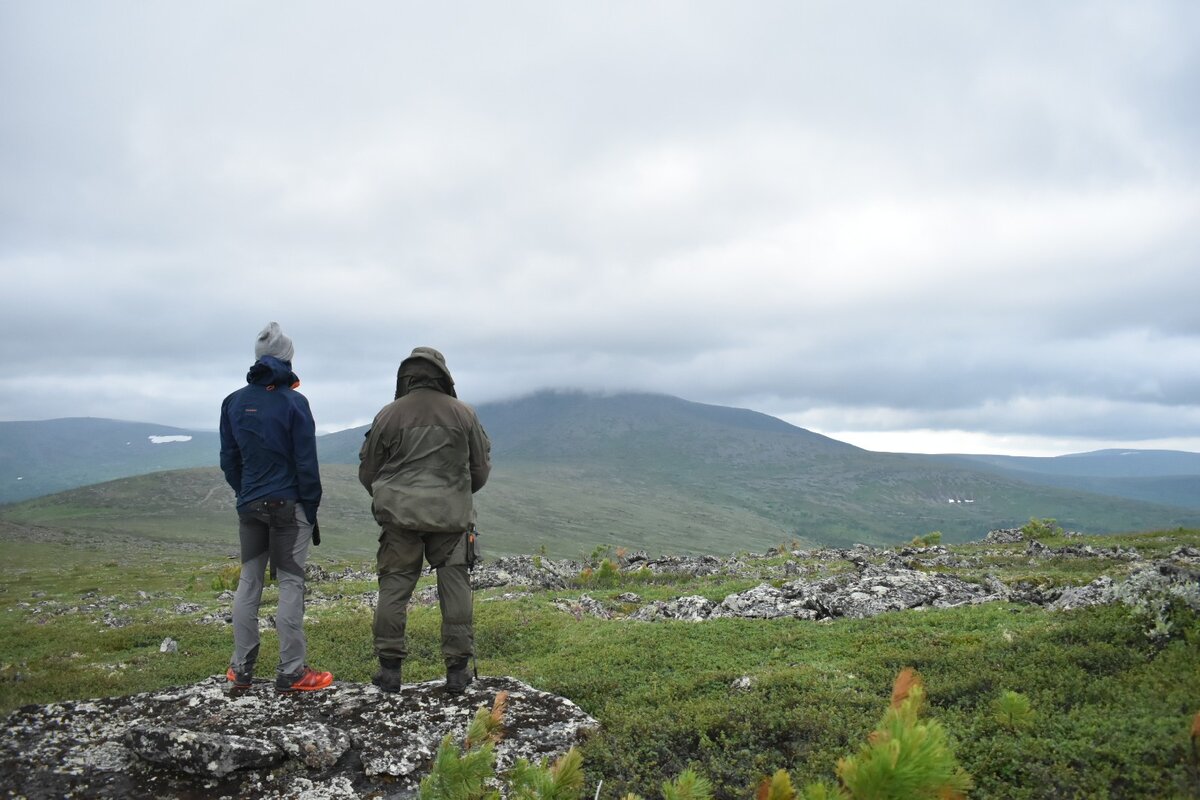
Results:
[565, 508]
[1112, 710]
[543, 509]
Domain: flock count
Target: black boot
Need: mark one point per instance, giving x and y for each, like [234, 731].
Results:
[457, 675]
[388, 676]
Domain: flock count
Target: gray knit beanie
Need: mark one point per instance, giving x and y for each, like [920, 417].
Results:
[272, 342]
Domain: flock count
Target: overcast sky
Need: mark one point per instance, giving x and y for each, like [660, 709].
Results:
[917, 226]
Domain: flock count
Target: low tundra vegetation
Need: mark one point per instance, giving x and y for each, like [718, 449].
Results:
[1014, 701]
[904, 757]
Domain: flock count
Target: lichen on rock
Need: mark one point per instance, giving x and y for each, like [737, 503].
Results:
[197, 740]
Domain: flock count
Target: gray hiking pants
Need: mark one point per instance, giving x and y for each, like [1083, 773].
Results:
[399, 562]
[276, 531]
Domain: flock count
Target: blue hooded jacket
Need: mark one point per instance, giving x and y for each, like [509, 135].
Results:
[268, 439]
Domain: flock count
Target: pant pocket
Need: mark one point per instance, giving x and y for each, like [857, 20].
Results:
[283, 512]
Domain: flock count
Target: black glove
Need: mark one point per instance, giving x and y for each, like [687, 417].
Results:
[316, 537]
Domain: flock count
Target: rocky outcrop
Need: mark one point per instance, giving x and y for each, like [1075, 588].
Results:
[1147, 587]
[692, 566]
[765, 602]
[870, 590]
[1014, 535]
[1004, 536]
[873, 589]
[1036, 549]
[196, 741]
[534, 571]
[692, 608]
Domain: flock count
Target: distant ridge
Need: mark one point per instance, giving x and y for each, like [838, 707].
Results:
[46, 456]
[1168, 477]
[1111, 463]
[650, 471]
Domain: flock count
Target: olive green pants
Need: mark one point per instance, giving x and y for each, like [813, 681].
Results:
[399, 562]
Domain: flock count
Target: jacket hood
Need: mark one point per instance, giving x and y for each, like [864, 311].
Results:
[270, 371]
[424, 368]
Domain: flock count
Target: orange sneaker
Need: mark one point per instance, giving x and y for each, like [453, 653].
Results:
[241, 682]
[306, 680]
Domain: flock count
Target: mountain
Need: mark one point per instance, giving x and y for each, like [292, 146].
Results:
[38, 458]
[806, 485]
[651, 429]
[575, 470]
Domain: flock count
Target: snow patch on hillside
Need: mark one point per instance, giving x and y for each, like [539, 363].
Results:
[168, 439]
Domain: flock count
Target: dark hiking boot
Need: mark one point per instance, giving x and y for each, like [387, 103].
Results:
[239, 682]
[306, 680]
[388, 676]
[457, 676]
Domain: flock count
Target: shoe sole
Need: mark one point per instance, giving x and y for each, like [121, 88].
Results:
[292, 689]
[236, 688]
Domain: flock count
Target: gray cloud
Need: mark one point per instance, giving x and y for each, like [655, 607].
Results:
[978, 218]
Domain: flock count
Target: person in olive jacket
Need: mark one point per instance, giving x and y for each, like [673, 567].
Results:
[424, 457]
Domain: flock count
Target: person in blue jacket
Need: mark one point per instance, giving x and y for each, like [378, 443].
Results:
[269, 457]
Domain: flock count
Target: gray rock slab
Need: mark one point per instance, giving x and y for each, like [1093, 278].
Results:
[351, 740]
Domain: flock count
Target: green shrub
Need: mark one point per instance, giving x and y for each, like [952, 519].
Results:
[1041, 528]
[1012, 711]
[903, 758]
[928, 540]
[599, 553]
[606, 575]
[227, 578]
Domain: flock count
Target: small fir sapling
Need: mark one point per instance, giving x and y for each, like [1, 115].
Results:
[776, 787]
[688, 786]
[1013, 712]
[562, 780]
[462, 775]
[905, 757]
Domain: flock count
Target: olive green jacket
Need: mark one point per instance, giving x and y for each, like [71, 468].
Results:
[424, 456]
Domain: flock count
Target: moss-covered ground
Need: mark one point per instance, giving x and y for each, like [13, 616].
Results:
[1112, 707]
